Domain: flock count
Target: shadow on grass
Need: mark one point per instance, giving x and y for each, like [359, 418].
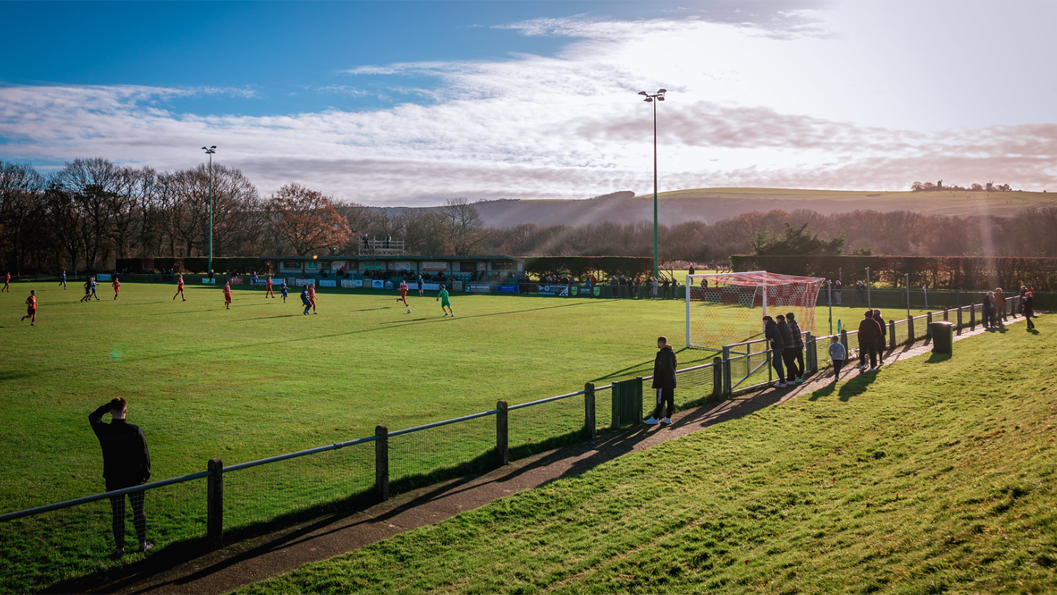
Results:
[935, 358]
[856, 386]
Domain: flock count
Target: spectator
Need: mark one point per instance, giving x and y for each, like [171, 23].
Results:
[1000, 308]
[666, 284]
[868, 335]
[880, 340]
[126, 463]
[860, 287]
[774, 336]
[839, 287]
[653, 283]
[664, 366]
[1027, 305]
[789, 352]
[798, 346]
[838, 354]
[691, 271]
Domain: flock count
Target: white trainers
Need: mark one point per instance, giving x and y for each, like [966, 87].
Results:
[144, 546]
[873, 369]
[651, 421]
[667, 421]
[779, 385]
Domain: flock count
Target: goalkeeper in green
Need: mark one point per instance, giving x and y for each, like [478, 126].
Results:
[445, 303]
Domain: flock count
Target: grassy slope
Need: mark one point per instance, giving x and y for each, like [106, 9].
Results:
[934, 476]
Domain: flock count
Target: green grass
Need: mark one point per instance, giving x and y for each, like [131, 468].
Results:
[261, 380]
[934, 476]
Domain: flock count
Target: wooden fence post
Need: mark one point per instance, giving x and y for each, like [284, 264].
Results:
[945, 319]
[811, 355]
[502, 429]
[589, 410]
[972, 317]
[892, 335]
[381, 463]
[959, 320]
[717, 377]
[910, 330]
[215, 504]
[928, 325]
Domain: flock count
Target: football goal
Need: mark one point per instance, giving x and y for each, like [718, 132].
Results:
[727, 308]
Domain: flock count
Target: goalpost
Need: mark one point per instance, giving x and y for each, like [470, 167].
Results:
[727, 308]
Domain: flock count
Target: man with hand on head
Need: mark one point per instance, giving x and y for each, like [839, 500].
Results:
[126, 463]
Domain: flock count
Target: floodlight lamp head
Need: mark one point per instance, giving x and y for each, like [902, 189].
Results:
[660, 98]
[648, 100]
[213, 147]
[662, 91]
[640, 93]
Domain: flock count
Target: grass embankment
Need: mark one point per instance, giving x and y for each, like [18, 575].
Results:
[935, 475]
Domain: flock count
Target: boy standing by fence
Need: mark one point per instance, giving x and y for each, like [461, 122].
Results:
[838, 354]
[664, 365]
[126, 463]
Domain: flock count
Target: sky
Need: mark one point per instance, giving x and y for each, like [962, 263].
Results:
[411, 103]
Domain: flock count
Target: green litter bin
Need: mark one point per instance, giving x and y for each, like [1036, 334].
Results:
[627, 403]
[942, 336]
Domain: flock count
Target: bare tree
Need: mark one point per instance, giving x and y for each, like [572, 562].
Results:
[463, 228]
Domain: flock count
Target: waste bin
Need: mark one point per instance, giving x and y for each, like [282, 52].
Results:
[942, 336]
[627, 403]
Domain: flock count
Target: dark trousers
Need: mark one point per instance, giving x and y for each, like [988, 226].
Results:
[881, 349]
[1028, 316]
[139, 519]
[837, 365]
[776, 361]
[665, 402]
[868, 351]
[791, 357]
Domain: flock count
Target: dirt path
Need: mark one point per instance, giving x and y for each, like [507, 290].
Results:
[277, 553]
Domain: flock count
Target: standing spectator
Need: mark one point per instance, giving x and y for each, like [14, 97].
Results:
[868, 334]
[1000, 308]
[789, 352]
[664, 366]
[666, 285]
[881, 341]
[838, 354]
[989, 310]
[860, 287]
[126, 463]
[774, 336]
[798, 346]
[839, 287]
[1027, 305]
[691, 271]
[653, 285]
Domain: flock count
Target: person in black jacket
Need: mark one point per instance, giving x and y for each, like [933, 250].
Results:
[789, 353]
[869, 332]
[663, 383]
[777, 345]
[798, 348]
[882, 341]
[126, 463]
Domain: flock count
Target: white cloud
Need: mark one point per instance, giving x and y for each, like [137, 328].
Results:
[804, 99]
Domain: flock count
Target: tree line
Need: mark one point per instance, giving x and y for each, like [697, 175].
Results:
[88, 213]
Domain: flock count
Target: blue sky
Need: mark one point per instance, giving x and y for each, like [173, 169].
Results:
[413, 102]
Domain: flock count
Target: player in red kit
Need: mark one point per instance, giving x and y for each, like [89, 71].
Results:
[312, 296]
[7, 283]
[268, 288]
[31, 308]
[403, 293]
[180, 288]
[227, 296]
[117, 287]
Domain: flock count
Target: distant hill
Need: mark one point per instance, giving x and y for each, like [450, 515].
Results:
[714, 204]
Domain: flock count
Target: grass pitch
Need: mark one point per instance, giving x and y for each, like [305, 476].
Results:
[261, 379]
[934, 476]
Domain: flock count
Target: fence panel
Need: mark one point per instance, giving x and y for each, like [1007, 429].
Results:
[43, 549]
[548, 425]
[424, 456]
[282, 491]
[695, 385]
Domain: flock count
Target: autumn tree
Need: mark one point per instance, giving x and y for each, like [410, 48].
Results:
[306, 219]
